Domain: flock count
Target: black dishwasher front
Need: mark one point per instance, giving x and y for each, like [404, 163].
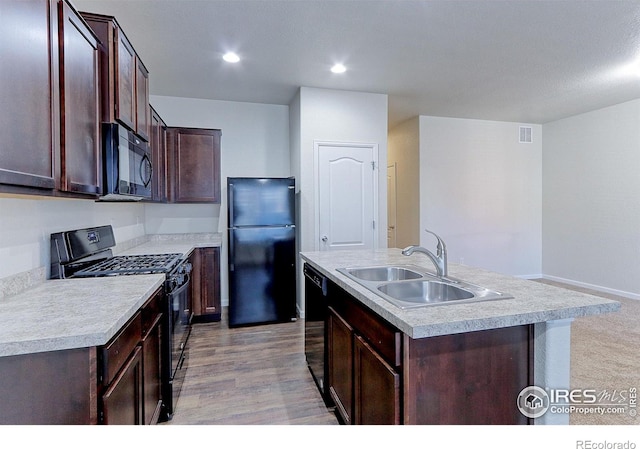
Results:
[315, 332]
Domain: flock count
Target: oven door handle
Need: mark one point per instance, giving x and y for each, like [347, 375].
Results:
[182, 288]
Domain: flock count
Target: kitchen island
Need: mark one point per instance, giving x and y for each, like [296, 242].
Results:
[454, 363]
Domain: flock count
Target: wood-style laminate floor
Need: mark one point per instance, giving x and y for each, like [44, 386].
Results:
[249, 375]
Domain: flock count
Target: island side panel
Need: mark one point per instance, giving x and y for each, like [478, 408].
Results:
[468, 378]
[553, 363]
[56, 387]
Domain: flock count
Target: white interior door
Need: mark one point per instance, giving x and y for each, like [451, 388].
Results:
[346, 196]
[391, 206]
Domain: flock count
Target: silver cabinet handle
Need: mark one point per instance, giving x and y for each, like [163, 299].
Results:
[325, 239]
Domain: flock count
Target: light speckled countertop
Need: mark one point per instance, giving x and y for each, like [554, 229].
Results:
[174, 243]
[74, 313]
[532, 302]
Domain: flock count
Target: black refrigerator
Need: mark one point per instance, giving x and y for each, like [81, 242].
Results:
[262, 250]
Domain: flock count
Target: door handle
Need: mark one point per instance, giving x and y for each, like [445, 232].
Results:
[325, 239]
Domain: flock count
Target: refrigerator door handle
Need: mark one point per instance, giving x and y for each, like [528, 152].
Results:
[230, 205]
[232, 266]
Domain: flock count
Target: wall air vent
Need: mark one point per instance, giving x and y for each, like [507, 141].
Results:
[526, 134]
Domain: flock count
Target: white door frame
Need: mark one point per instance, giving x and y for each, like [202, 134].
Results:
[393, 166]
[317, 147]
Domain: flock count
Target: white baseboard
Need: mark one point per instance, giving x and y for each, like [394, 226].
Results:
[598, 288]
[529, 276]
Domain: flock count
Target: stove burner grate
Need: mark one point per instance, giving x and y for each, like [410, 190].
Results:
[144, 264]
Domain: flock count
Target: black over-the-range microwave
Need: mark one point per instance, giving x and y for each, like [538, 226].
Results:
[126, 174]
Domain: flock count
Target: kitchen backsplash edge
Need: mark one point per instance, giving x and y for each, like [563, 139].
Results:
[18, 283]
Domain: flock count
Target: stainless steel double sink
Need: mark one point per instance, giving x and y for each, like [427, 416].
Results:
[409, 286]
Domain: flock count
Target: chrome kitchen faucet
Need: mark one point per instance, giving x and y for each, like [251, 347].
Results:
[439, 259]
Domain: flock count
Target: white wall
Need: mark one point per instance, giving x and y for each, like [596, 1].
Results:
[591, 209]
[295, 129]
[339, 116]
[255, 142]
[481, 191]
[26, 224]
[404, 151]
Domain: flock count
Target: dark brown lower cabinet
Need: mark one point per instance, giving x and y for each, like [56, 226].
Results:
[468, 378]
[378, 375]
[120, 372]
[56, 387]
[363, 386]
[122, 401]
[205, 286]
[151, 363]
[118, 383]
[376, 387]
[340, 351]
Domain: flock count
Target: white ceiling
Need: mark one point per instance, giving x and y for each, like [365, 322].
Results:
[523, 61]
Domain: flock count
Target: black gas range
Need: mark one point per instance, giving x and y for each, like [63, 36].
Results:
[83, 253]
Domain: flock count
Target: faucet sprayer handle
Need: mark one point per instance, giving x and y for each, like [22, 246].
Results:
[441, 246]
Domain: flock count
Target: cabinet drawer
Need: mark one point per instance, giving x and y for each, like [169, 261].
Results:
[380, 335]
[116, 352]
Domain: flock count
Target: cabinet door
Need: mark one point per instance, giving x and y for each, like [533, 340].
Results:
[122, 402]
[340, 373]
[195, 165]
[125, 96]
[79, 97]
[376, 387]
[158, 144]
[206, 284]
[143, 113]
[151, 366]
[28, 91]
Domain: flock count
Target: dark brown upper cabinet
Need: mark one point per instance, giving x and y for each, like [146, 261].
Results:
[28, 93]
[124, 78]
[49, 125]
[80, 147]
[193, 165]
[143, 110]
[158, 145]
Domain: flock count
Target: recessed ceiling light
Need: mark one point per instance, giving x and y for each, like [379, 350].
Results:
[231, 57]
[632, 69]
[338, 68]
